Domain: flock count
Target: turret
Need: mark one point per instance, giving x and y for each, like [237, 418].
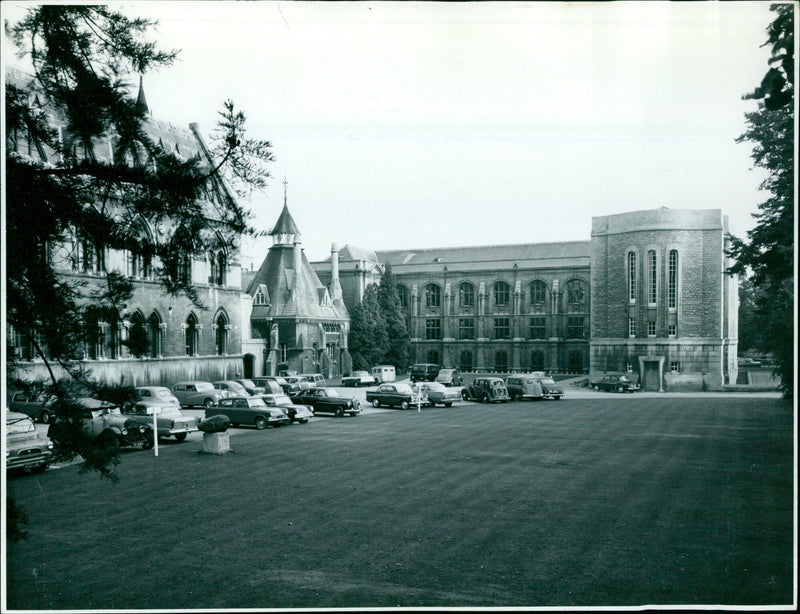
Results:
[335, 288]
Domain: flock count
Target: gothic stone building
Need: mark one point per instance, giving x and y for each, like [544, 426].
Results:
[183, 342]
[647, 294]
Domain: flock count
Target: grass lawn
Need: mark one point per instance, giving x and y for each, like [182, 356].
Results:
[569, 503]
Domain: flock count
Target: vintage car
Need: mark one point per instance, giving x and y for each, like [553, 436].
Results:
[106, 425]
[33, 403]
[296, 413]
[439, 394]
[359, 378]
[424, 372]
[327, 400]
[272, 385]
[449, 377]
[486, 390]
[26, 447]
[395, 395]
[316, 379]
[550, 389]
[250, 386]
[249, 410]
[197, 394]
[298, 383]
[615, 383]
[169, 419]
[525, 387]
[231, 388]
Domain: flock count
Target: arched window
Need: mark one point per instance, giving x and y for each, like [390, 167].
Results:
[402, 295]
[652, 277]
[156, 335]
[575, 361]
[433, 295]
[632, 277]
[501, 362]
[222, 269]
[537, 360]
[576, 295]
[140, 258]
[466, 295]
[502, 294]
[465, 361]
[221, 335]
[137, 335]
[538, 296]
[672, 283]
[183, 246]
[192, 335]
[212, 268]
[433, 357]
[260, 297]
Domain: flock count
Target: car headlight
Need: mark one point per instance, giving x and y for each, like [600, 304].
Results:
[124, 431]
[349, 403]
[142, 429]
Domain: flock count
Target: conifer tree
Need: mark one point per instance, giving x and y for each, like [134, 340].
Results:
[398, 339]
[368, 340]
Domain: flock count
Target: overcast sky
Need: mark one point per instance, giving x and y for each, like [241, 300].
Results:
[410, 125]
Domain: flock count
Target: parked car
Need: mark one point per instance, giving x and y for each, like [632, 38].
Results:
[296, 413]
[384, 373]
[424, 371]
[359, 378]
[486, 390]
[272, 385]
[170, 422]
[33, 403]
[249, 410]
[524, 387]
[250, 386]
[439, 394]
[197, 394]
[231, 388]
[316, 379]
[450, 377]
[26, 447]
[550, 389]
[612, 383]
[298, 383]
[395, 395]
[106, 425]
[328, 400]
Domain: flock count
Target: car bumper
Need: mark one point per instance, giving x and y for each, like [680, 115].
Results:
[29, 458]
[286, 420]
[177, 431]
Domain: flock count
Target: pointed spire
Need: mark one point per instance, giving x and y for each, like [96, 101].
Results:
[141, 101]
[285, 230]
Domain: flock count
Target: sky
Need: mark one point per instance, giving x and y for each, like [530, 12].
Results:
[413, 125]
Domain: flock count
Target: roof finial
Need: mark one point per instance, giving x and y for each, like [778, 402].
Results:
[285, 186]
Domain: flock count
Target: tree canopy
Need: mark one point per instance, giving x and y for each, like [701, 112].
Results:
[767, 255]
[93, 172]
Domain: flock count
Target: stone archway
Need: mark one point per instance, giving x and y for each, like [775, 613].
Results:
[249, 365]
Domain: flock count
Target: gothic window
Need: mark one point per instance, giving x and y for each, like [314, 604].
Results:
[538, 296]
[466, 295]
[537, 360]
[156, 335]
[433, 295]
[501, 362]
[502, 294]
[402, 295]
[576, 296]
[465, 360]
[575, 361]
[221, 335]
[222, 269]
[192, 335]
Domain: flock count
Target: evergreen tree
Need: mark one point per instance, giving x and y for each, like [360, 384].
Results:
[399, 341]
[368, 340]
[768, 253]
[83, 59]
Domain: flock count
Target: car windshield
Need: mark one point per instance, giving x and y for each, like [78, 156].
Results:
[19, 424]
[547, 380]
[445, 372]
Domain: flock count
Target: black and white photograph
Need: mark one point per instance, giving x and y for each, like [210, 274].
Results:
[430, 306]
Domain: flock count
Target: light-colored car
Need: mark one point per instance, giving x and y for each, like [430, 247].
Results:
[298, 383]
[450, 377]
[231, 388]
[439, 394]
[169, 419]
[250, 386]
[35, 404]
[197, 394]
[359, 378]
[26, 447]
[296, 413]
[105, 424]
[316, 379]
[249, 410]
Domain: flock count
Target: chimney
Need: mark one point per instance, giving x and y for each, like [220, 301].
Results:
[335, 288]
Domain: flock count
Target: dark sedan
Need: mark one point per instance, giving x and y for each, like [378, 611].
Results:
[249, 410]
[615, 383]
[328, 400]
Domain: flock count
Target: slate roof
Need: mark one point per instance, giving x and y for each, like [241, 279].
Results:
[522, 252]
[285, 224]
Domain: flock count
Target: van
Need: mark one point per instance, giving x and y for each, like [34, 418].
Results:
[384, 373]
[424, 371]
[524, 387]
[316, 379]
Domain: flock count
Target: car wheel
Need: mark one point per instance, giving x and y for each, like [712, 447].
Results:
[208, 403]
[44, 417]
[448, 404]
[485, 398]
[596, 388]
[260, 423]
[180, 437]
[620, 389]
[303, 421]
[403, 404]
[376, 403]
[148, 442]
[339, 412]
[465, 395]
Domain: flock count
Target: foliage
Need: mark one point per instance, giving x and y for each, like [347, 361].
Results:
[368, 339]
[768, 253]
[67, 206]
[215, 424]
[16, 518]
[399, 343]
